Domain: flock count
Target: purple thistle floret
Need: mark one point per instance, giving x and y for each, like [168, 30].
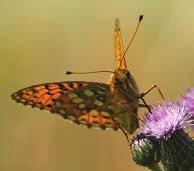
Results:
[165, 119]
[188, 100]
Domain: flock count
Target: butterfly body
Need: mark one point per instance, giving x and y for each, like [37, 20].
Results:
[125, 93]
[93, 104]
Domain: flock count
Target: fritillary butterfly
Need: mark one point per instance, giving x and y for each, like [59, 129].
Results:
[93, 104]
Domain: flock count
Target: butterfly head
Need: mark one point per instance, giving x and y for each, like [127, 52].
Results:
[123, 84]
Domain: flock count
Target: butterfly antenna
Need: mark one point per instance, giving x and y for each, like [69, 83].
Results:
[134, 34]
[92, 72]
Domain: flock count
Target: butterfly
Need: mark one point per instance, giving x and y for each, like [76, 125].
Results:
[105, 105]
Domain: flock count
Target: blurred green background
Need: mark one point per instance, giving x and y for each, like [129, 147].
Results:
[40, 39]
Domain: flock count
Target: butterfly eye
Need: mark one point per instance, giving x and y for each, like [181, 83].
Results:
[118, 82]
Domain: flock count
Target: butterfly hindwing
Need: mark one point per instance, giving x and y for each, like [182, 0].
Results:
[87, 103]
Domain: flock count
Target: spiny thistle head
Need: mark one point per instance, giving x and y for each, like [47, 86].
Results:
[145, 150]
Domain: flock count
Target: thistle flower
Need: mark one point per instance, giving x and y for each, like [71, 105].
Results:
[188, 100]
[165, 119]
[165, 123]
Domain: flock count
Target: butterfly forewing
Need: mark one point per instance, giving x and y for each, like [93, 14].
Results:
[119, 47]
[85, 103]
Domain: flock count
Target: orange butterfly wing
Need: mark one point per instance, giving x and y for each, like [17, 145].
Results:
[85, 103]
[119, 47]
[43, 95]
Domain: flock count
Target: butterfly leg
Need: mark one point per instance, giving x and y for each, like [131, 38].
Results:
[130, 109]
[146, 92]
[124, 132]
[146, 105]
[143, 105]
[124, 109]
[150, 89]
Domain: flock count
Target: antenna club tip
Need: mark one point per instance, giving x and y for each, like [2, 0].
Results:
[68, 72]
[140, 18]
